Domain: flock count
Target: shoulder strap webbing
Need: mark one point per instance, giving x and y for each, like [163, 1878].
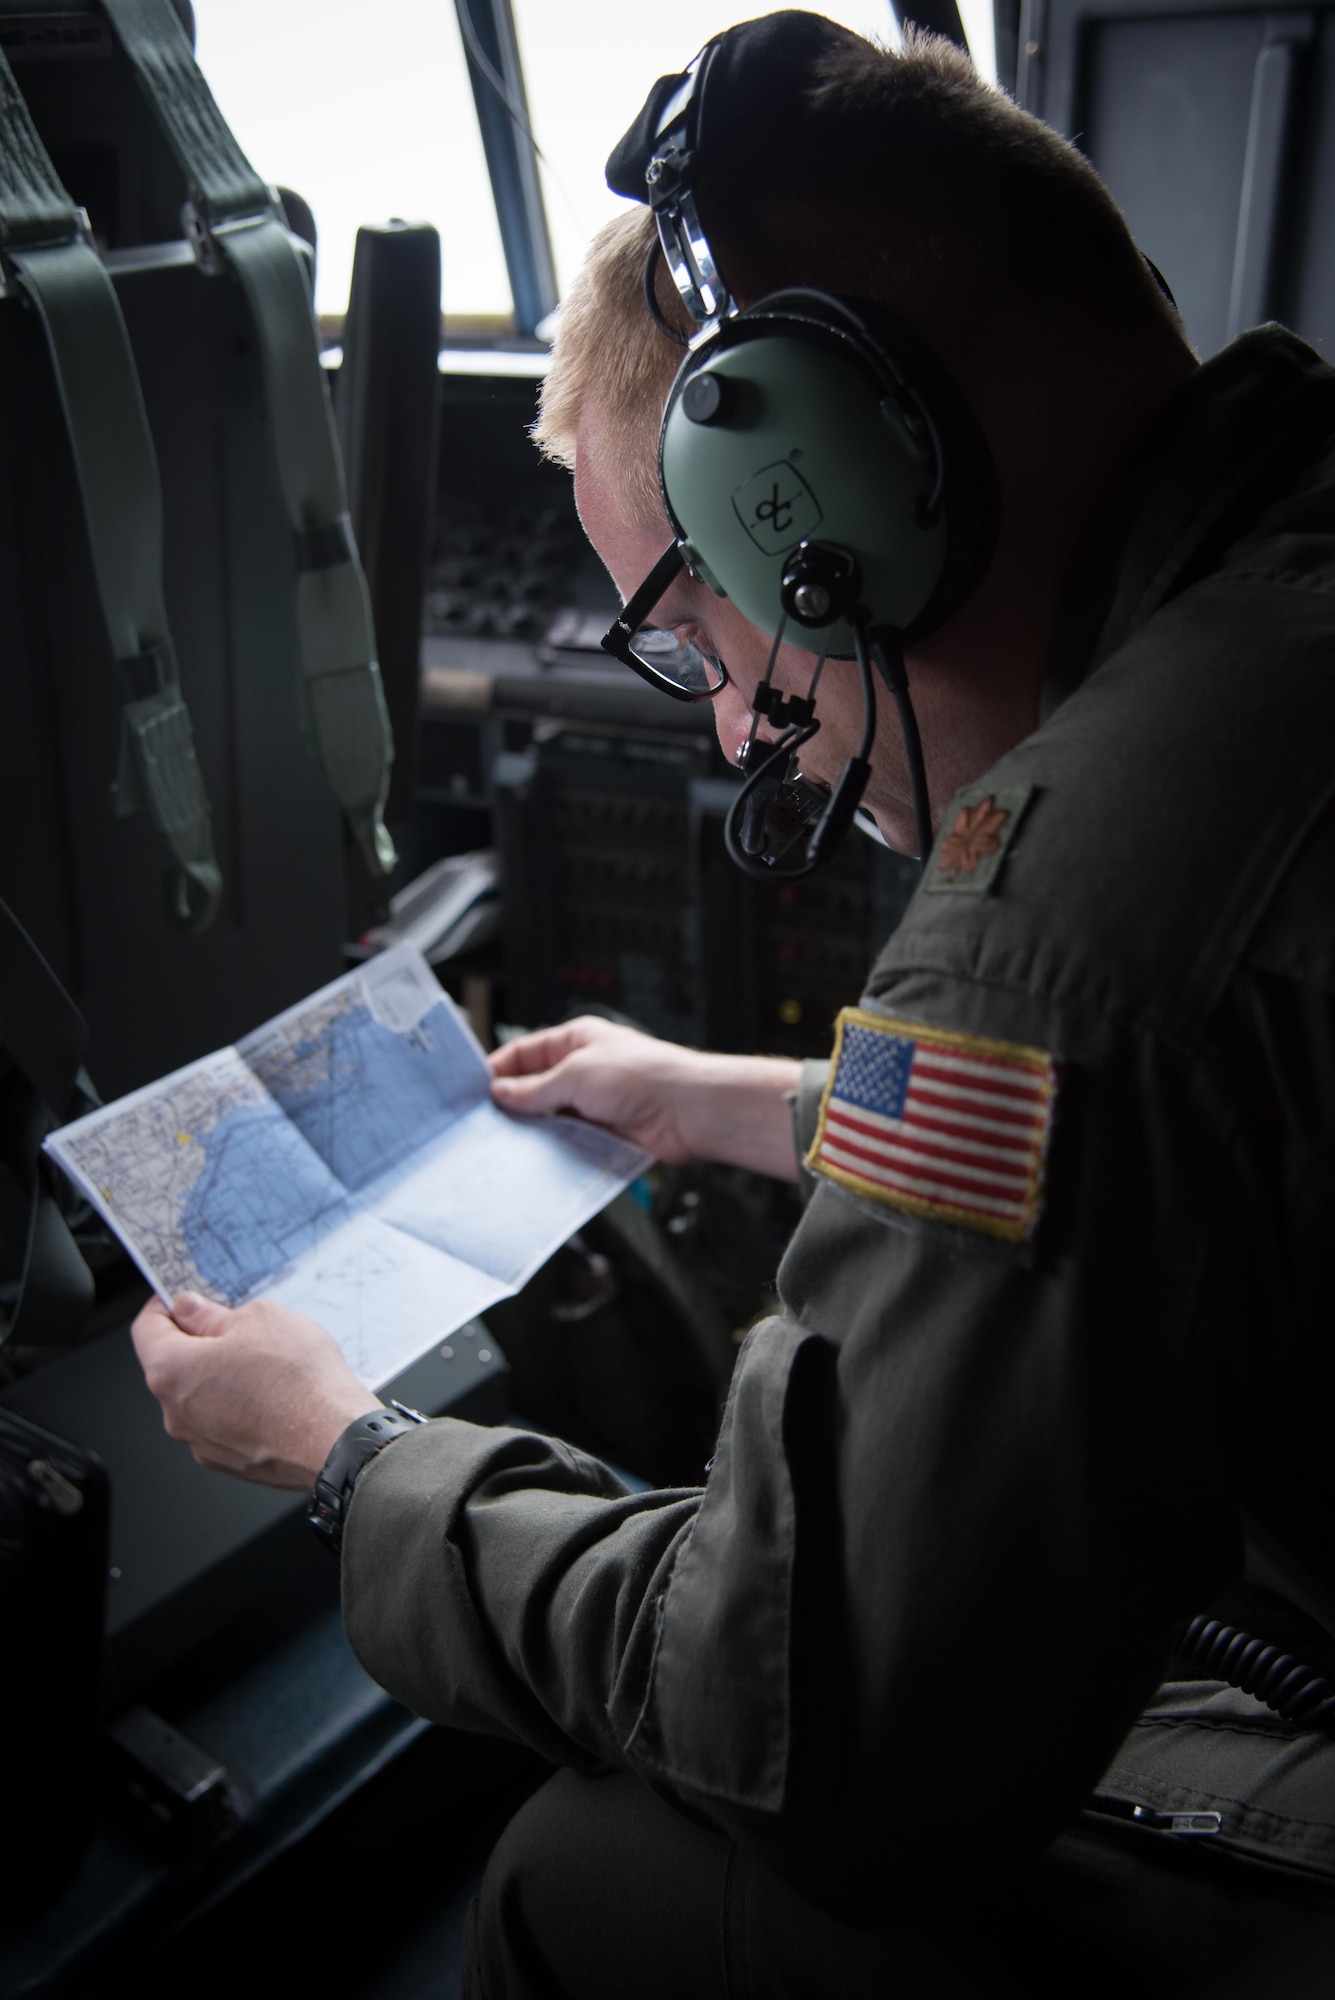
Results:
[234, 226]
[45, 254]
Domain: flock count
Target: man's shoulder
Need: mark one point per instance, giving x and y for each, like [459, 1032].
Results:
[1112, 868]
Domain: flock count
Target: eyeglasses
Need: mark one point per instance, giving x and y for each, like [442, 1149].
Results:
[668, 658]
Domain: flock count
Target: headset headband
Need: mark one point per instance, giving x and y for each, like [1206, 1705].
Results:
[761, 72]
[745, 90]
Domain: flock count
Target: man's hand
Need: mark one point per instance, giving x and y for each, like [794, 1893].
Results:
[261, 1391]
[677, 1103]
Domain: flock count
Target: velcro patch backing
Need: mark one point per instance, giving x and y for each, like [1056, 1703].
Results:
[952, 1127]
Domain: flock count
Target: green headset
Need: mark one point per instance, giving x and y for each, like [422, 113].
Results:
[816, 462]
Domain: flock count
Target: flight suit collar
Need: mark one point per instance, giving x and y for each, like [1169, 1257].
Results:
[1231, 429]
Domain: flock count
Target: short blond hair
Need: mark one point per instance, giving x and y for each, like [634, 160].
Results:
[909, 174]
[608, 352]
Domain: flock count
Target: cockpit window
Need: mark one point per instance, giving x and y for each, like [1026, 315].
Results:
[587, 67]
[368, 113]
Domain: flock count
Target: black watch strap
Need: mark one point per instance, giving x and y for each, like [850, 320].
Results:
[354, 1449]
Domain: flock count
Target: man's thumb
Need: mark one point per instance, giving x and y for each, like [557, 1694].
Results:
[524, 1093]
[199, 1316]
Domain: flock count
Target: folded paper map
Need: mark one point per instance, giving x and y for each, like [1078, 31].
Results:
[347, 1160]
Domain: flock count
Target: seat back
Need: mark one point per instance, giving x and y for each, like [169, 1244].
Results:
[84, 882]
[388, 405]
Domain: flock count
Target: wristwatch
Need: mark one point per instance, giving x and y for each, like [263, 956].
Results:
[354, 1449]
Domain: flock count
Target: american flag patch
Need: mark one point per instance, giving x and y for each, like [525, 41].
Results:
[949, 1126]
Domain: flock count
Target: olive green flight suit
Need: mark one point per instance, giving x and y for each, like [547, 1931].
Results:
[966, 1488]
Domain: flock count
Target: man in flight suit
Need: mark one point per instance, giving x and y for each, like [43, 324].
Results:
[1052, 1371]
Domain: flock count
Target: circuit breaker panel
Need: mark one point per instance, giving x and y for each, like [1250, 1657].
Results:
[619, 895]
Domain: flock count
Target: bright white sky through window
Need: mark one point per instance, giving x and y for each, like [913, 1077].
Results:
[367, 112]
[588, 65]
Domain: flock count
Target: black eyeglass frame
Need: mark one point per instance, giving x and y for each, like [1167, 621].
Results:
[617, 639]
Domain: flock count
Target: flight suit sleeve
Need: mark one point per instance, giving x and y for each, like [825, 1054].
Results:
[965, 1490]
[502, 1581]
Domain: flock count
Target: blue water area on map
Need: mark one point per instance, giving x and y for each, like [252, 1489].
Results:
[261, 1201]
[382, 1095]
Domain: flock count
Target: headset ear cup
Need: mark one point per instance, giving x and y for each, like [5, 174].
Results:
[805, 367]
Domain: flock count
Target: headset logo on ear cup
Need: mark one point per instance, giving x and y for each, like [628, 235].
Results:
[777, 508]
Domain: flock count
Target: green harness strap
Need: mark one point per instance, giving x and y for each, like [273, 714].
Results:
[233, 224]
[45, 253]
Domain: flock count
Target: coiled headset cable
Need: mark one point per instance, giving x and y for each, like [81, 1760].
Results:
[1291, 1688]
[1295, 1690]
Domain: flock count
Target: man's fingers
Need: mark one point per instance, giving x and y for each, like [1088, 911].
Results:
[549, 1091]
[532, 1054]
[153, 1314]
[200, 1317]
[164, 1340]
[154, 1333]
